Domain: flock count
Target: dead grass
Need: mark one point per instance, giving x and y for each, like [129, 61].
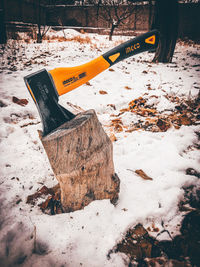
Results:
[79, 39]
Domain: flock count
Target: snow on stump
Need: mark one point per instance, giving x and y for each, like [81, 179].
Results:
[81, 156]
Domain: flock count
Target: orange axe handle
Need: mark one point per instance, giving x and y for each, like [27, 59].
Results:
[67, 79]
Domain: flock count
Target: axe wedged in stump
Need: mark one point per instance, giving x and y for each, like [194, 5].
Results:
[78, 149]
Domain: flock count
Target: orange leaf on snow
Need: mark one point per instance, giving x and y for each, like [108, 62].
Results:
[88, 83]
[112, 137]
[130, 130]
[127, 88]
[124, 110]
[137, 102]
[143, 175]
[146, 111]
[102, 92]
[151, 120]
[118, 128]
[117, 121]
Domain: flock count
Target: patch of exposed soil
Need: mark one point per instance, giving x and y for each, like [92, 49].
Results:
[183, 250]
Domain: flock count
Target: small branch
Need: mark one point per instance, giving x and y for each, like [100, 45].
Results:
[44, 32]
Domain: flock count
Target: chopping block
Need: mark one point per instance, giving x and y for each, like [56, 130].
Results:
[81, 156]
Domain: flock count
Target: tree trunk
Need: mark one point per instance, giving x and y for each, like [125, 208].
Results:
[111, 31]
[39, 34]
[3, 37]
[166, 21]
[81, 157]
[150, 13]
[39, 38]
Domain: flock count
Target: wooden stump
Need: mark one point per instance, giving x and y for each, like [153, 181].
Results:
[81, 156]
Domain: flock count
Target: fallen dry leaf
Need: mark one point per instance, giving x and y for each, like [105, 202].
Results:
[102, 92]
[151, 120]
[22, 102]
[146, 111]
[143, 175]
[127, 88]
[163, 125]
[132, 129]
[112, 137]
[88, 83]
[114, 115]
[118, 128]
[145, 72]
[112, 106]
[124, 110]
[137, 102]
[184, 120]
[117, 121]
[43, 191]
[53, 202]
[186, 113]
[44, 205]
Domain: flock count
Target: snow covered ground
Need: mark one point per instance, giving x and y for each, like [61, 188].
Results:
[84, 238]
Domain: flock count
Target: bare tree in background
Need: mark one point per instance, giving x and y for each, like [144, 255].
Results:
[115, 12]
[42, 28]
[166, 21]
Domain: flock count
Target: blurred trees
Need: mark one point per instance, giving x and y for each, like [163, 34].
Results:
[112, 12]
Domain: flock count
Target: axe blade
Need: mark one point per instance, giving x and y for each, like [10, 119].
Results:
[41, 88]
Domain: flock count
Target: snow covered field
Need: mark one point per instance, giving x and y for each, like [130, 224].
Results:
[164, 153]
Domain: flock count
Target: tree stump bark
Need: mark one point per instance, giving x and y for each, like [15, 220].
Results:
[81, 156]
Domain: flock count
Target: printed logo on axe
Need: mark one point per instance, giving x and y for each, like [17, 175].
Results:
[74, 79]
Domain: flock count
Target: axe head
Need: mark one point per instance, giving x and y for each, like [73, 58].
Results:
[44, 94]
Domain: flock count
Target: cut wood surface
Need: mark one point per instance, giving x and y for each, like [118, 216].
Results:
[81, 156]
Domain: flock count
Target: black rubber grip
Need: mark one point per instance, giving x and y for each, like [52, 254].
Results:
[142, 43]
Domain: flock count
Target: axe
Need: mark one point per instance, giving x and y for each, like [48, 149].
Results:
[46, 86]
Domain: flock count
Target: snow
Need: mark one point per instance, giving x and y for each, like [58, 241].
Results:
[84, 238]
